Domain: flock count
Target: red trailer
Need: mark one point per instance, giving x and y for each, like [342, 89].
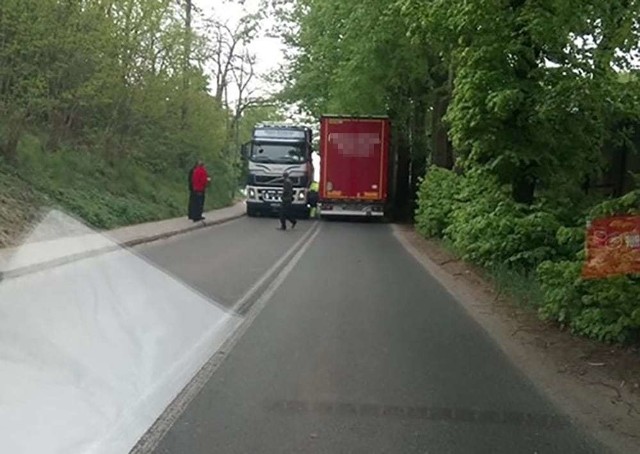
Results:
[354, 153]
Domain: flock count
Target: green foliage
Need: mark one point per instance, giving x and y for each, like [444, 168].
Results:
[530, 254]
[103, 192]
[606, 309]
[18, 204]
[535, 96]
[476, 214]
[627, 204]
[352, 58]
[433, 214]
[505, 234]
[523, 288]
[104, 107]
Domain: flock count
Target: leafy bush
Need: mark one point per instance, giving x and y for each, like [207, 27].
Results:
[606, 309]
[106, 193]
[571, 242]
[627, 204]
[435, 201]
[482, 222]
[530, 254]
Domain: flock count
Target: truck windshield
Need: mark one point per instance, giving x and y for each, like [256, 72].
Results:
[278, 153]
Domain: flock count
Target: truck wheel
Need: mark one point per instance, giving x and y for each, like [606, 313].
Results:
[251, 212]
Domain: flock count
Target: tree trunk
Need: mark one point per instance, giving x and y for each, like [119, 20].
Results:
[418, 147]
[442, 150]
[402, 199]
[523, 188]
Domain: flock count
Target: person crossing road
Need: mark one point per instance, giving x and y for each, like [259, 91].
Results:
[287, 201]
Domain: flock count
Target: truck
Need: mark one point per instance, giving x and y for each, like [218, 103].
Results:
[273, 150]
[354, 165]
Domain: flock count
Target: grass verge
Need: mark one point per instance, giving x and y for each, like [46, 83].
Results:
[106, 193]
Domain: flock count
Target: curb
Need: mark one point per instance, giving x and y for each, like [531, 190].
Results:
[198, 226]
[127, 244]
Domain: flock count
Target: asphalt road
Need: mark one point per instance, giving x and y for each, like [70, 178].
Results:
[357, 351]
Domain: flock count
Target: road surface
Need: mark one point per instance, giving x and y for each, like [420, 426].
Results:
[357, 350]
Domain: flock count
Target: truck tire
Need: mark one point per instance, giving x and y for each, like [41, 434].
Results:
[251, 212]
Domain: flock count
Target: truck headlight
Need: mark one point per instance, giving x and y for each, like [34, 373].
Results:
[252, 193]
[302, 195]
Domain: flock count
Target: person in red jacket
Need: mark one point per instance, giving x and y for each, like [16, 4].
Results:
[198, 181]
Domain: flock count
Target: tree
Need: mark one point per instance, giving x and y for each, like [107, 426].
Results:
[113, 77]
[225, 46]
[526, 90]
[358, 59]
[529, 103]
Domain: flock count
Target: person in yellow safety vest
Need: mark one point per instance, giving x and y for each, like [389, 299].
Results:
[312, 199]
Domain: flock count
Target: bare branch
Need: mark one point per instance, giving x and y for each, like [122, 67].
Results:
[227, 47]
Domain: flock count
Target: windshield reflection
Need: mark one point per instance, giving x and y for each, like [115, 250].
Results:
[278, 153]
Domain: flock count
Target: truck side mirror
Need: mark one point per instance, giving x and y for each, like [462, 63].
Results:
[244, 150]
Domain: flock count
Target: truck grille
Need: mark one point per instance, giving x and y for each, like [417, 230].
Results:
[268, 180]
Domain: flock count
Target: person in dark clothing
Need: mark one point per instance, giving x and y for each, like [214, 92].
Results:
[199, 179]
[287, 201]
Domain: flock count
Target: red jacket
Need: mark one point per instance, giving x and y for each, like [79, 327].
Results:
[199, 179]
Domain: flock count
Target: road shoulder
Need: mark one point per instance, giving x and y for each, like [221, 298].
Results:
[597, 385]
